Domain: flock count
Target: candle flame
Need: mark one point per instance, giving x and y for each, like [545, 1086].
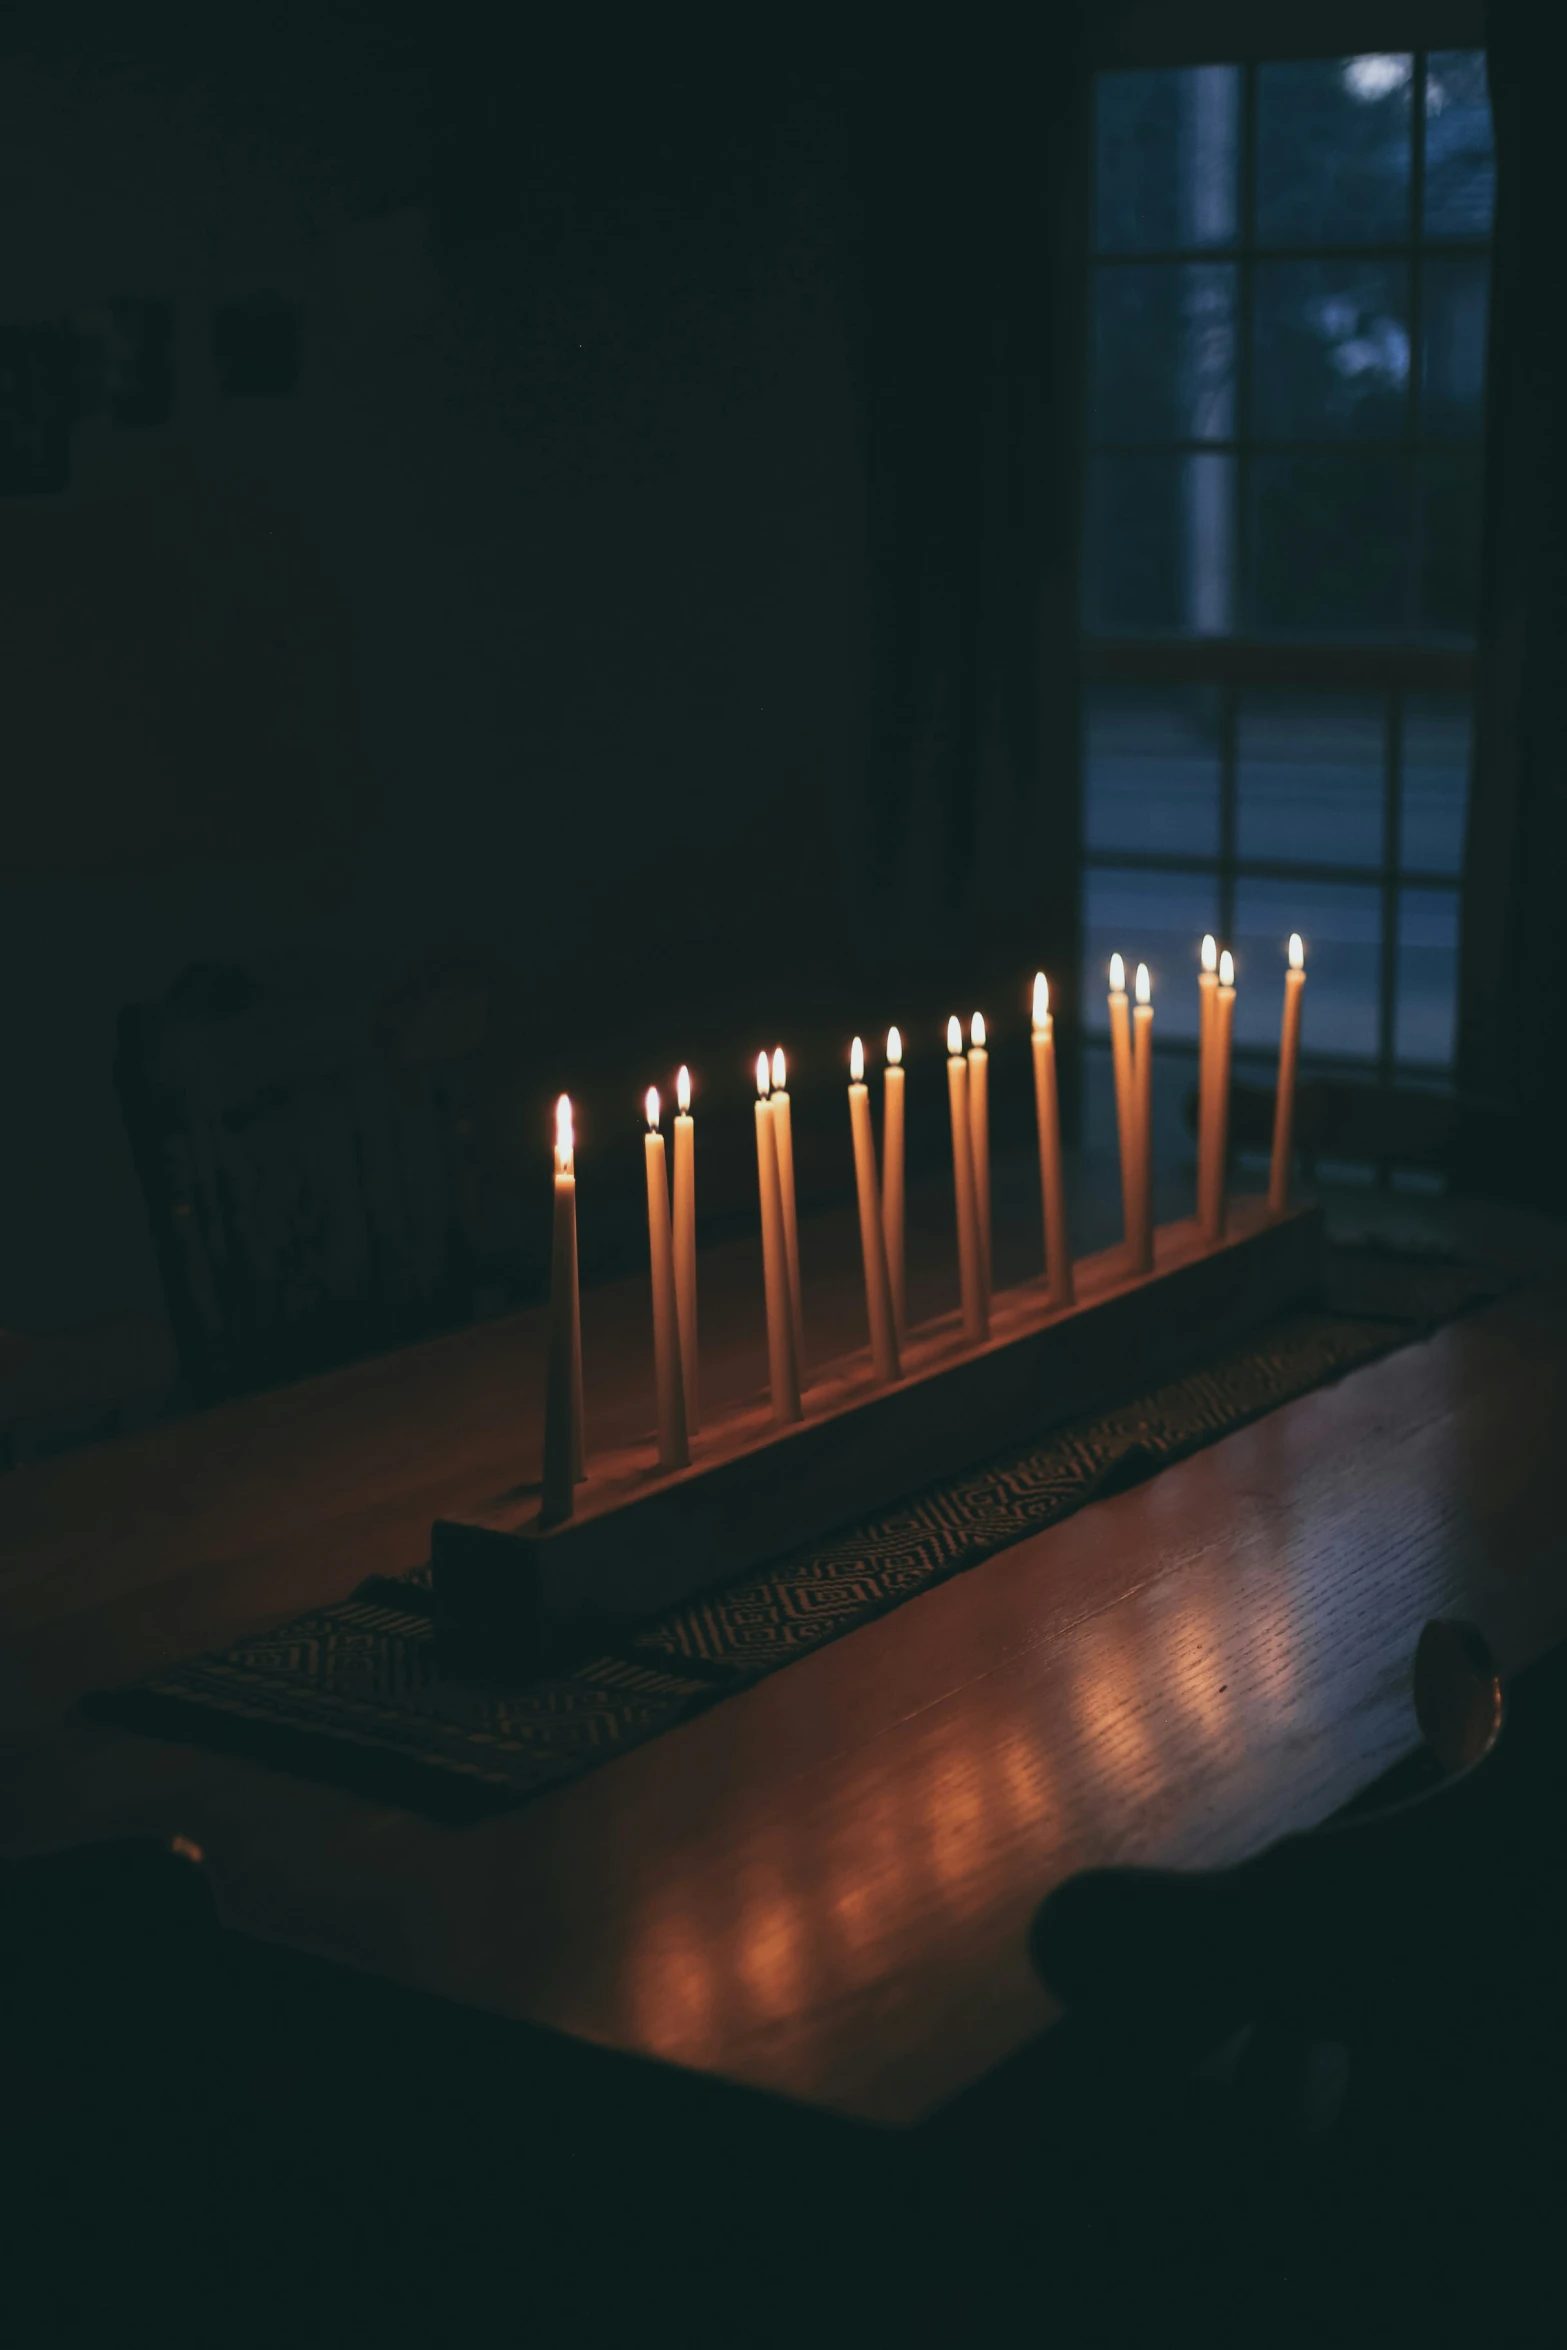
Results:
[1297, 952]
[763, 1081]
[1144, 990]
[682, 1089]
[977, 1031]
[1210, 953]
[857, 1063]
[1117, 975]
[1226, 969]
[894, 1047]
[1041, 999]
[564, 1145]
[780, 1074]
[954, 1038]
[652, 1107]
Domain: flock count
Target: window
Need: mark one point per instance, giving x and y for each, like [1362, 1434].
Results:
[1289, 287]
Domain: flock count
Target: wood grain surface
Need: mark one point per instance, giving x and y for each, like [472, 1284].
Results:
[819, 1888]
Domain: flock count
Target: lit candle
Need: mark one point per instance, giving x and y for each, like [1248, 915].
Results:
[685, 1248]
[673, 1450]
[781, 1369]
[878, 1290]
[563, 1449]
[976, 1316]
[892, 1178]
[783, 1129]
[1047, 1108]
[1284, 1100]
[1142, 1100]
[1207, 984]
[1223, 1025]
[979, 1133]
[1125, 1105]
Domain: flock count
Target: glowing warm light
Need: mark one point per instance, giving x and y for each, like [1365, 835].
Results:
[1210, 953]
[671, 1987]
[1297, 952]
[1117, 975]
[780, 1074]
[564, 1145]
[954, 1809]
[1041, 999]
[652, 1105]
[1144, 990]
[1226, 969]
[954, 1038]
[857, 1063]
[977, 1031]
[682, 1089]
[768, 1958]
[894, 1047]
[763, 1081]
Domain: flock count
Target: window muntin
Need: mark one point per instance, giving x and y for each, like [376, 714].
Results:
[1290, 280]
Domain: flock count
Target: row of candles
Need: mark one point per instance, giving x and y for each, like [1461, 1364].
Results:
[672, 1219]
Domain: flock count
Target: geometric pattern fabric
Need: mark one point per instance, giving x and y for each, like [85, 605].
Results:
[356, 1693]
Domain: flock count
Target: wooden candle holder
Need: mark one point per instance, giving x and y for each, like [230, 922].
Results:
[510, 1593]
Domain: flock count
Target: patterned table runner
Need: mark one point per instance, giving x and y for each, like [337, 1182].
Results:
[355, 1693]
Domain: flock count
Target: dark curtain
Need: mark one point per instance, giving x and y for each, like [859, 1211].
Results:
[1510, 1055]
[971, 152]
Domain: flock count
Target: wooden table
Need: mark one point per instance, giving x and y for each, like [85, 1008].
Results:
[819, 1888]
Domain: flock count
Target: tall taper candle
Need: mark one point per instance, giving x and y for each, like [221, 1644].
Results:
[892, 1178]
[782, 1373]
[674, 1452]
[1125, 1104]
[976, 1312]
[1284, 1100]
[1047, 1111]
[979, 1131]
[1142, 1090]
[563, 1448]
[1213, 1216]
[878, 1290]
[685, 1249]
[1207, 984]
[783, 1128]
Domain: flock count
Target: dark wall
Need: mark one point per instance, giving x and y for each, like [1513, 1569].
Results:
[602, 593]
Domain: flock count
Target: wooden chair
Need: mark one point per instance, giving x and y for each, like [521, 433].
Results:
[309, 1168]
[1411, 1923]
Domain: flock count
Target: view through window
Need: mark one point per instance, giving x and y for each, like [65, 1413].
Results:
[1289, 291]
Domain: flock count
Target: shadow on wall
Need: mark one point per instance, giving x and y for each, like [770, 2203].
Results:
[496, 585]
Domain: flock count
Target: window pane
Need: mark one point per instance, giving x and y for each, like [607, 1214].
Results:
[1164, 352]
[1166, 147]
[1152, 918]
[1460, 157]
[1427, 977]
[1341, 924]
[1159, 545]
[1328, 539]
[1151, 769]
[1333, 151]
[1449, 541]
[1454, 297]
[1330, 350]
[1434, 802]
[1309, 772]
